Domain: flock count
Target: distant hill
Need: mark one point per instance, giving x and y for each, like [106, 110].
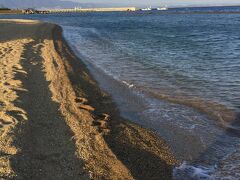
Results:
[39, 4]
[4, 9]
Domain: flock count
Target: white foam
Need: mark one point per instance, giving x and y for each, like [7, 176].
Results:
[188, 172]
[128, 84]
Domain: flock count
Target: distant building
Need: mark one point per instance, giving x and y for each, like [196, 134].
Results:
[29, 11]
[33, 11]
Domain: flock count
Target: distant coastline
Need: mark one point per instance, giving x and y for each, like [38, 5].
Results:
[10, 11]
[167, 10]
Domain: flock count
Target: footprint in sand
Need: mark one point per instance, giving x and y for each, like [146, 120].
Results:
[101, 123]
[2, 105]
[13, 83]
[2, 54]
[17, 67]
[16, 116]
[5, 50]
[3, 122]
[5, 119]
[81, 100]
[82, 104]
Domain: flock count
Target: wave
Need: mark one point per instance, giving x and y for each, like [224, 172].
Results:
[226, 168]
[129, 85]
[224, 115]
[189, 172]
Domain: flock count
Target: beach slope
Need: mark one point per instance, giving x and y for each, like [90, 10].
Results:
[55, 122]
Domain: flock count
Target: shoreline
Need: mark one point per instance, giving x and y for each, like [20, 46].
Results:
[105, 144]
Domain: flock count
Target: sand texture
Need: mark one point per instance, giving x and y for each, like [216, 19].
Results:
[55, 122]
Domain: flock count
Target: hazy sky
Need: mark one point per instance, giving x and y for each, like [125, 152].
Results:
[165, 2]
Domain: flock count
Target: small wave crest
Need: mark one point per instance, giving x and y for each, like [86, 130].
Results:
[189, 172]
[223, 114]
[128, 84]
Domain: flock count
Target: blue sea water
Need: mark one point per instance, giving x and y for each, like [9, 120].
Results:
[175, 72]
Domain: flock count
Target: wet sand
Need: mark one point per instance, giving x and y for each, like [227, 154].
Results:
[55, 121]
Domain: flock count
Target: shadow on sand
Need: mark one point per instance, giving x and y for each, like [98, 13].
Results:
[44, 141]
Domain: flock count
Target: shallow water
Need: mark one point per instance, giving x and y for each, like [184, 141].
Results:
[177, 74]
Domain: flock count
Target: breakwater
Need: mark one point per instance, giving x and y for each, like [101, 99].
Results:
[92, 10]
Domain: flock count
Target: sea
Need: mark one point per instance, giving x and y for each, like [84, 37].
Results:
[175, 72]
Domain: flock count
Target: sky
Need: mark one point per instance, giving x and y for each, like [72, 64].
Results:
[111, 3]
[165, 2]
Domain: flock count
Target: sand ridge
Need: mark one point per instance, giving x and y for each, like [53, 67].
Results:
[89, 142]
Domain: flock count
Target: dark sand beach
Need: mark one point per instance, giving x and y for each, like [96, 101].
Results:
[55, 121]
